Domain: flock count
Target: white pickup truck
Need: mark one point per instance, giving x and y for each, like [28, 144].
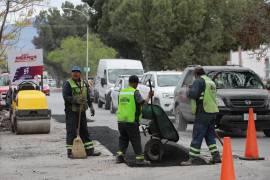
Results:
[163, 83]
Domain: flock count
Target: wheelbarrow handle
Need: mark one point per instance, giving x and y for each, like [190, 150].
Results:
[150, 85]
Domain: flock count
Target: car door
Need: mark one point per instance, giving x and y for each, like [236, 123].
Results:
[115, 93]
[103, 87]
[184, 101]
[145, 86]
[141, 84]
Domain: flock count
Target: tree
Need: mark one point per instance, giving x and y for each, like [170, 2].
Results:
[72, 52]
[22, 11]
[53, 27]
[169, 33]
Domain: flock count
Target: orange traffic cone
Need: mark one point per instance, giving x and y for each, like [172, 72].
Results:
[227, 167]
[252, 152]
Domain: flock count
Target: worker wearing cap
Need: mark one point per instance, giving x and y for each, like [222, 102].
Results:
[205, 108]
[129, 115]
[77, 98]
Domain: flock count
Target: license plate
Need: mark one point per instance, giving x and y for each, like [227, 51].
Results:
[246, 116]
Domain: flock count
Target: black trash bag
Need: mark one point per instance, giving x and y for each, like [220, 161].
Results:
[160, 125]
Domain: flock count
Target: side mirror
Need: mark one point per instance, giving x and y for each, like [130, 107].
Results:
[117, 89]
[103, 81]
[147, 84]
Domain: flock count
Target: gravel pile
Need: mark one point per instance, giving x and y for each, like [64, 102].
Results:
[4, 121]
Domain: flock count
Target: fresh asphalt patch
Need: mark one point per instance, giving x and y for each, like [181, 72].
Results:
[107, 137]
[173, 156]
[61, 118]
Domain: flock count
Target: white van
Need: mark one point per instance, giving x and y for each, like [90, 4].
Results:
[108, 72]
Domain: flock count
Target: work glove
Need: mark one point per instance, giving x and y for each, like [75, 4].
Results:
[92, 110]
[80, 100]
[151, 94]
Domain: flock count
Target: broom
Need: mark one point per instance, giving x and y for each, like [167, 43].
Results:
[78, 150]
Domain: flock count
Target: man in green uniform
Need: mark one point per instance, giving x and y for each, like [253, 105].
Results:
[77, 100]
[129, 115]
[205, 108]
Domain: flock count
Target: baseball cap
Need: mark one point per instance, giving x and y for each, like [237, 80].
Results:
[76, 69]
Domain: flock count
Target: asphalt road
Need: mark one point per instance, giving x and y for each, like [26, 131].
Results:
[107, 120]
[43, 156]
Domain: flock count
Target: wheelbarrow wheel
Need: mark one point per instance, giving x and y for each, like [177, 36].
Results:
[154, 150]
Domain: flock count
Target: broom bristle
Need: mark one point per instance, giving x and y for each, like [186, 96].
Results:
[78, 150]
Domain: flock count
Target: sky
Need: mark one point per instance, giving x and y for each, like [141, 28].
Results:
[58, 3]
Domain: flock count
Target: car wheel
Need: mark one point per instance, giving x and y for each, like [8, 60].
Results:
[100, 104]
[267, 132]
[154, 150]
[156, 102]
[112, 108]
[108, 102]
[180, 122]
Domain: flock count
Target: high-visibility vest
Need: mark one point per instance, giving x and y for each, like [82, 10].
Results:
[127, 106]
[76, 91]
[208, 97]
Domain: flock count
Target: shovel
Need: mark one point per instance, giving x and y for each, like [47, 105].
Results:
[78, 150]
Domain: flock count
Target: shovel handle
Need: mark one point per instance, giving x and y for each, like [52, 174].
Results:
[219, 138]
[80, 110]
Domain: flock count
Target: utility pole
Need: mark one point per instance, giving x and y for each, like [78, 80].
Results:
[240, 56]
[93, 11]
[87, 53]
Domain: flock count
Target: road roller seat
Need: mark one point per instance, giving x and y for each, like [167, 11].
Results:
[27, 86]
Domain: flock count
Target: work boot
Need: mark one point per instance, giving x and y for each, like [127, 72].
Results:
[193, 161]
[120, 159]
[215, 158]
[69, 154]
[91, 152]
[142, 162]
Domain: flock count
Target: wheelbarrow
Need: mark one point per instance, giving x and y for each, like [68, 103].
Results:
[161, 130]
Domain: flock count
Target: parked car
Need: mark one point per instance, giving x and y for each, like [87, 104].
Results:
[108, 72]
[4, 87]
[46, 89]
[238, 89]
[163, 83]
[122, 82]
[52, 83]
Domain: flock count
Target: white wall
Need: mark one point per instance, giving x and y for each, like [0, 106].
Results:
[249, 60]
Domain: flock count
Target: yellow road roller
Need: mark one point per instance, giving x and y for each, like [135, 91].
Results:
[29, 111]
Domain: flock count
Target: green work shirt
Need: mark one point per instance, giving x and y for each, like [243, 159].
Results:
[129, 105]
[76, 91]
[208, 97]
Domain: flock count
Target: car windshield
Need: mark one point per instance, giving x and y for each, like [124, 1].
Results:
[236, 80]
[125, 82]
[115, 73]
[168, 80]
[3, 81]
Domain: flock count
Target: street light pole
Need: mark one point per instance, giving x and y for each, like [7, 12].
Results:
[87, 53]
[93, 11]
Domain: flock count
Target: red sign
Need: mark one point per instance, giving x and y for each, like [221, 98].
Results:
[25, 58]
